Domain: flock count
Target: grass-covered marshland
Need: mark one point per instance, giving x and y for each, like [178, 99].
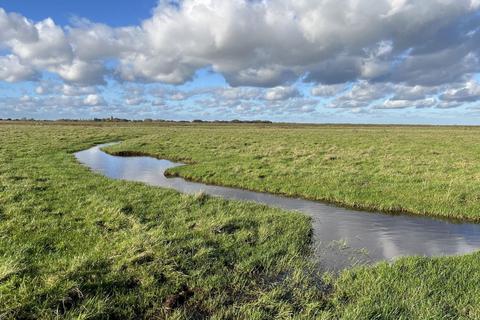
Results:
[422, 170]
[77, 245]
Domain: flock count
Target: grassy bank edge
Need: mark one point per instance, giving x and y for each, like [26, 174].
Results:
[120, 150]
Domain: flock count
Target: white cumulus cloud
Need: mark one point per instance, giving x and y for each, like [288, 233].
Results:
[262, 43]
[281, 93]
[93, 100]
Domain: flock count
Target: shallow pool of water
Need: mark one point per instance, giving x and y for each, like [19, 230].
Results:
[342, 237]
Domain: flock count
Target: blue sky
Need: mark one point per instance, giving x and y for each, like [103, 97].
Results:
[111, 12]
[374, 61]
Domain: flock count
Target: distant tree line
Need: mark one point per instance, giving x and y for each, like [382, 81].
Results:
[231, 121]
[114, 119]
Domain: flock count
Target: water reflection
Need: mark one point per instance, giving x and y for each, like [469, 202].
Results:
[342, 237]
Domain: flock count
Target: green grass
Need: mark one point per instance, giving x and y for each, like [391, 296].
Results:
[76, 245]
[412, 288]
[421, 170]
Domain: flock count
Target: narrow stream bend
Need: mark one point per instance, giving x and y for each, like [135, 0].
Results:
[342, 237]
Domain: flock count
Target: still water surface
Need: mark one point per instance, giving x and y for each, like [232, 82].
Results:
[342, 237]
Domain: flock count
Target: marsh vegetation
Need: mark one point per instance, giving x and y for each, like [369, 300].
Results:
[75, 244]
[422, 170]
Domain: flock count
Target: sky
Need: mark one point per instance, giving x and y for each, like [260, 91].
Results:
[320, 61]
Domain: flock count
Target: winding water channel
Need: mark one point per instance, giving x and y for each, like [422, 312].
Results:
[342, 237]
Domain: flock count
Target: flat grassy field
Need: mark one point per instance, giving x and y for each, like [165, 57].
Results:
[421, 170]
[76, 245]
